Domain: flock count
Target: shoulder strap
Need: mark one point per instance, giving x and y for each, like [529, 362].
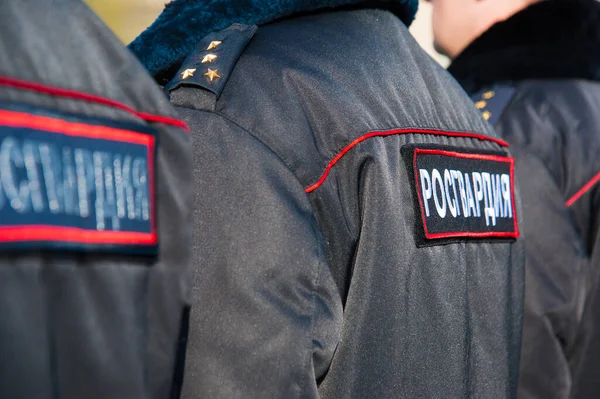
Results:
[208, 67]
[493, 102]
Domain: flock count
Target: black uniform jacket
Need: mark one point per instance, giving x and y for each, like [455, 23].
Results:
[95, 207]
[355, 215]
[539, 73]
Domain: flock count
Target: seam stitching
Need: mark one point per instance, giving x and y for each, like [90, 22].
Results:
[394, 132]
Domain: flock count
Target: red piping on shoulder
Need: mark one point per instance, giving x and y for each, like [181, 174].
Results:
[583, 190]
[76, 95]
[395, 132]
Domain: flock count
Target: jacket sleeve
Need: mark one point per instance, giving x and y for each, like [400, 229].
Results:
[557, 271]
[266, 312]
[586, 208]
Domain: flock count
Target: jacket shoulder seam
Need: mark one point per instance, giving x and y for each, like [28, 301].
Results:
[249, 132]
[394, 132]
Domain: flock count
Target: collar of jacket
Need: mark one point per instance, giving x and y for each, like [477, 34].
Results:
[183, 23]
[553, 39]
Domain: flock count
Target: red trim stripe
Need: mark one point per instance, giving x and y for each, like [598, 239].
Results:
[77, 129]
[473, 235]
[152, 179]
[77, 95]
[74, 235]
[396, 132]
[466, 155]
[583, 190]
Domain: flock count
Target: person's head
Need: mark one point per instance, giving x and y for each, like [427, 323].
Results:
[456, 23]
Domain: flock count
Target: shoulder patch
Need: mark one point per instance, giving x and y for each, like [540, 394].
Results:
[461, 194]
[210, 64]
[76, 183]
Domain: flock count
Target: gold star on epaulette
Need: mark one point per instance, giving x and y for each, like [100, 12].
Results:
[209, 58]
[187, 73]
[480, 104]
[486, 115]
[212, 74]
[214, 44]
[488, 94]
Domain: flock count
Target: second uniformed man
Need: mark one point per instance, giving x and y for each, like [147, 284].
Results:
[356, 221]
[533, 68]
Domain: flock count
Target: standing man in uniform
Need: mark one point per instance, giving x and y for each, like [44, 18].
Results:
[533, 69]
[356, 219]
[95, 207]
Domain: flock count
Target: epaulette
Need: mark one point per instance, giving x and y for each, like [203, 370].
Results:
[208, 67]
[493, 102]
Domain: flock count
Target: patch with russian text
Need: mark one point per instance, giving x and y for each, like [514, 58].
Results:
[461, 194]
[69, 182]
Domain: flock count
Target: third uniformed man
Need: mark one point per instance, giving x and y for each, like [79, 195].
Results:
[533, 68]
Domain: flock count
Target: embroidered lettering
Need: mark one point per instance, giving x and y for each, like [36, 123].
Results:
[464, 194]
[75, 178]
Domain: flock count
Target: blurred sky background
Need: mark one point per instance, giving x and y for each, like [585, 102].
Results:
[127, 18]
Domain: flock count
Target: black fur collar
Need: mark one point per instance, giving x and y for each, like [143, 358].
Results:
[183, 23]
[553, 39]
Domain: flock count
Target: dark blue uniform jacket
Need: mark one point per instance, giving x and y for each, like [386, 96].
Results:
[356, 219]
[536, 76]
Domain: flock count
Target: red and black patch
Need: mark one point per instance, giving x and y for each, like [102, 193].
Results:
[462, 195]
[71, 182]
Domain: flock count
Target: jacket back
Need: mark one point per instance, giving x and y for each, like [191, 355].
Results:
[94, 212]
[555, 125]
[313, 276]
[537, 78]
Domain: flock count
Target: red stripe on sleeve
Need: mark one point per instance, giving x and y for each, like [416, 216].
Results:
[395, 132]
[583, 190]
[77, 95]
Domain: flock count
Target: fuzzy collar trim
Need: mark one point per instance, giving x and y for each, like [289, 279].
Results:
[183, 23]
[553, 39]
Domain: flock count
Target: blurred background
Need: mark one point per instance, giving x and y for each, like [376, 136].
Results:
[128, 18]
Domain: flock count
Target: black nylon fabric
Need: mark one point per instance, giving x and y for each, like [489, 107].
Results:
[92, 325]
[325, 294]
[553, 125]
[556, 124]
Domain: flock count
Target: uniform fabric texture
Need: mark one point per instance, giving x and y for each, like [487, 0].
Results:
[548, 54]
[78, 323]
[308, 279]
